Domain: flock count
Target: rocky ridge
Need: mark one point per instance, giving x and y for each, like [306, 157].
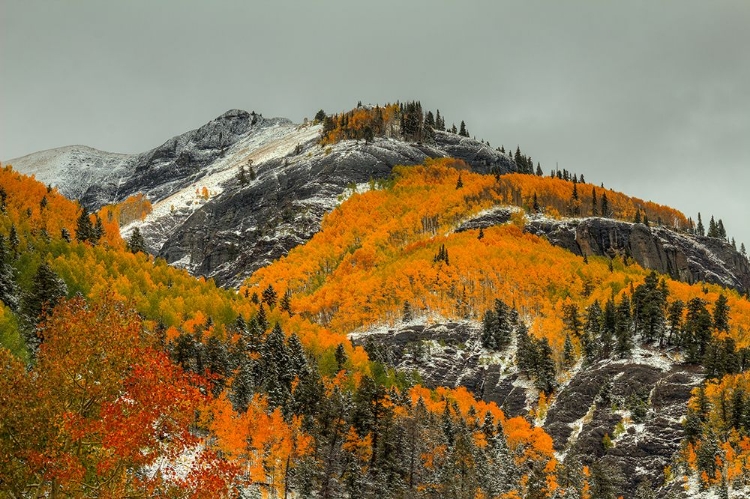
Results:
[205, 220]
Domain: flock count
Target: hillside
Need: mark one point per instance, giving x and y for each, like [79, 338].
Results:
[204, 219]
[416, 314]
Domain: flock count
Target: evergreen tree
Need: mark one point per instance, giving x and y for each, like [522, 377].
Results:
[320, 116]
[340, 356]
[429, 120]
[743, 250]
[609, 327]
[721, 232]
[623, 329]
[535, 204]
[8, 287]
[439, 123]
[276, 367]
[47, 289]
[13, 241]
[572, 319]
[261, 320]
[713, 230]
[700, 230]
[84, 228]
[526, 352]
[594, 207]
[697, 328]
[65, 234]
[297, 359]
[270, 296]
[592, 331]
[545, 369]
[674, 319]
[637, 219]
[721, 314]
[480, 236]
[98, 230]
[568, 353]
[286, 302]
[460, 182]
[605, 206]
[463, 132]
[497, 327]
[136, 243]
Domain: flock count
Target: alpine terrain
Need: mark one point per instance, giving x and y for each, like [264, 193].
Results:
[370, 304]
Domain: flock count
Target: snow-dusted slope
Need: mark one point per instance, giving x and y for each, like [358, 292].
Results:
[73, 169]
[228, 230]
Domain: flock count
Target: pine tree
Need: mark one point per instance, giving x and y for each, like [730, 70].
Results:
[594, 207]
[697, 330]
[84, 229]
[608, 328]
[545, 369]
[480, 236]
[674, 319]
[539, 172]
[98, 230]
[526, 352]
[463, 132]
[47, 289]
[136, 243]
[623, 328]
[261, 320]
[700, 230]
[460, 182]
[535, 204]
[637, 218]
[297, 359]
[572, 319]
[429, 120]
[721, 232]
[743, 250]
[340, 356]
[13, 241]
[270, 296]
[286, 302]
[8, 287]
[713, 230]
[568, 353]
[605, 206]
[721, 314]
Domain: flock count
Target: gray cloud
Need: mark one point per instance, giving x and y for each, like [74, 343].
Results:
[648, 97]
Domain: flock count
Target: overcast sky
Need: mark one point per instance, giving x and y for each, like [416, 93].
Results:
[650, 98]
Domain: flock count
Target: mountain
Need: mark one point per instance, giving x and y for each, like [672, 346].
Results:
[410, 313]
[234, 229]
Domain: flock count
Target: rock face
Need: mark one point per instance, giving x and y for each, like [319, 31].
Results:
[638, 402]
[205, 220]
[682, 256]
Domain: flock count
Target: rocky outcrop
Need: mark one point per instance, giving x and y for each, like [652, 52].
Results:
[682, 256]
[634, 404]
[638, 403]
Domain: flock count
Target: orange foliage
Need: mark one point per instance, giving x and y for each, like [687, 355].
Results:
[383, 243]
[99, 404]
[556, 195]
